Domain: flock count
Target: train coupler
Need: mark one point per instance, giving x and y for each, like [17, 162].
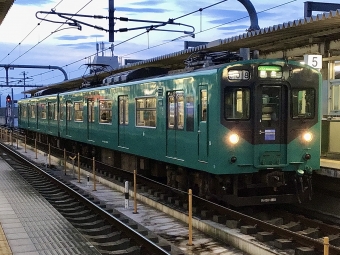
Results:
[301, 177]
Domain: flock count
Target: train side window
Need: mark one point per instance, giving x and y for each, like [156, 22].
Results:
[78, 111]
[105, 111]
[176, 110]
[303, 103]
[55, 112]
[190, 113]
[43, 111]
[61, 112]
[33, 107]
[237, 103]
[123, 110]
[24, 111]
[90, 110]
[50, 110]
[204, 105]
[180, 111]
[146, 112]
[69, 107]
[171, 111]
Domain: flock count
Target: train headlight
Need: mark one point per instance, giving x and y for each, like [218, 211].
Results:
[233, 138]
[307, 137]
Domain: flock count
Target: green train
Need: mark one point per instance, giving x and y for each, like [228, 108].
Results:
[241, 133]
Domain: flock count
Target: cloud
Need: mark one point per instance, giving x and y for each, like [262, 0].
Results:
[95, 36]
[80, 46]
[71, 37]
[150, 2]
[140, 10]
[32, 2]
[233, 28]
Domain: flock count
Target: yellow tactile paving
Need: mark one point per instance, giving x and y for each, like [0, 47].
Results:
[4, 247]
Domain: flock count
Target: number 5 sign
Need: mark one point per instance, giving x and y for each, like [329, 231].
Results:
[313, 60]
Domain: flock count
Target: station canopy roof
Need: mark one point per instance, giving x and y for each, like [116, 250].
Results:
[287, 36]
[5, 5]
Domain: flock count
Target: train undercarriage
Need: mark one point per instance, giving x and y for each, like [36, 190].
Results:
[265, 187]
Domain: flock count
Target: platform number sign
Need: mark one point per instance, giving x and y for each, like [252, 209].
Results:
[313, 61]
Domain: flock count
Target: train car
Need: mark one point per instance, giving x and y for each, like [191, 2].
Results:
[242, 133]
[39, 114]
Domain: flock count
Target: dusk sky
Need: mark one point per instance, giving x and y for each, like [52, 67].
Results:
[24, 42]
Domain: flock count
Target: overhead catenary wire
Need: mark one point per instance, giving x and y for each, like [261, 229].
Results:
[131, 38]
[20, 43]
[48, 35]
[205, 30]
[164, 43]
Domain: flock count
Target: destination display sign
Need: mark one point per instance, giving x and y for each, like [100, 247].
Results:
[274, 72]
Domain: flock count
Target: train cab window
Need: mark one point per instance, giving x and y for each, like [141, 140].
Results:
[69, 107]
[123, 110]
[105, 111]
[43, 111]
[237, 103]
[303, 101]
[33, 108]
[78, 111]
[146, 112]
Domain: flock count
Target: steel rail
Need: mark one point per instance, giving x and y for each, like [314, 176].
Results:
[147, 247]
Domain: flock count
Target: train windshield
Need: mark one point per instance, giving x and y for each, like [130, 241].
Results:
[237, 103]
[303, 101]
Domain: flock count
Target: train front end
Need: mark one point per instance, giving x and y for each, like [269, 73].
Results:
[270, 111]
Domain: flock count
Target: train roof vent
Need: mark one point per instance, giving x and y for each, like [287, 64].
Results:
[137, 74]
[205, 59]
[50, 91]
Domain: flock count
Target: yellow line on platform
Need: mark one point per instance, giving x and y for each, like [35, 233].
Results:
[4, 246]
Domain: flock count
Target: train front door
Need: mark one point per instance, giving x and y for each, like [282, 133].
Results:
[123, 114]
[90, 119]
[270, 126]
[175, 122]
[202, 124]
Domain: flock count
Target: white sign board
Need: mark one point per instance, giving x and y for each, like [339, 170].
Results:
[313, 60]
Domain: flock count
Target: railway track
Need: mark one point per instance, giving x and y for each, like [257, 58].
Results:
[109, 231]
[280, 230]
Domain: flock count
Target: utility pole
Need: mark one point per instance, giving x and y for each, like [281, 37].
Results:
[24, 74]
[111, 21]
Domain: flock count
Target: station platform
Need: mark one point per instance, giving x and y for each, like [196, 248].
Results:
[160, 219]
[30, 225]
[329, 167]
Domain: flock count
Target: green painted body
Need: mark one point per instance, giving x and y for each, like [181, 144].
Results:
[205, 146]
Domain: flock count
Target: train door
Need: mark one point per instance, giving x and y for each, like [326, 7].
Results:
[175, 121]
[271, 126]
[90, 119]
[69, 107]
[202, 124]
[123, 120]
